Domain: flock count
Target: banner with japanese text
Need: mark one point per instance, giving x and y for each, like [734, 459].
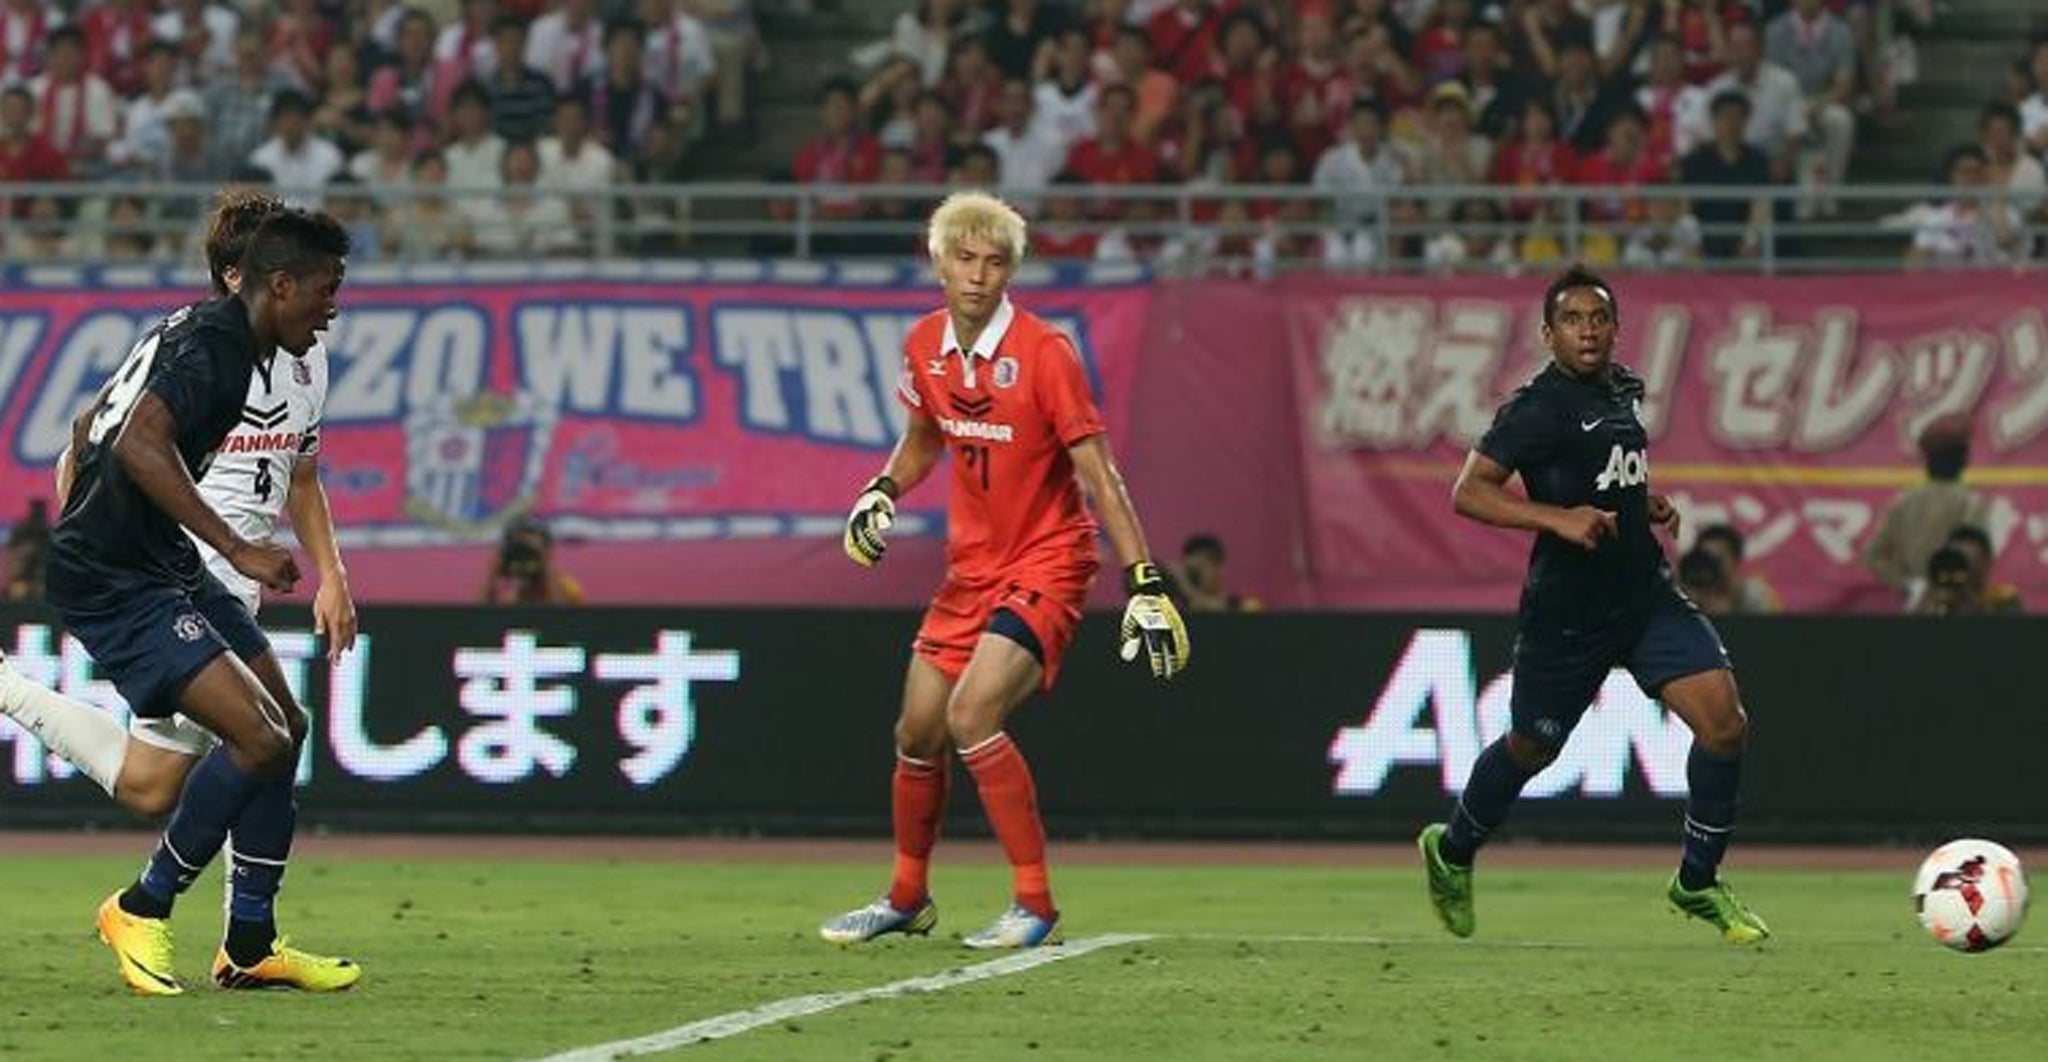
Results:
[1788, 408]
[1327, 724]
[739, 416]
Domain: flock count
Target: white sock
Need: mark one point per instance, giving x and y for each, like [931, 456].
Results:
[81, 734]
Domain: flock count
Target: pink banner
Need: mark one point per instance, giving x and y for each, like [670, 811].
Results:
[738, 418]
[1787, 408]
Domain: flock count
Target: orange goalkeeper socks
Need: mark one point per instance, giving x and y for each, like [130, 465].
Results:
[918, 802]
[1011, 800]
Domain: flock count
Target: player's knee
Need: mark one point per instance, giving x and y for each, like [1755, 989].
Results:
[1724, 733]
[920, 740]
[149, 798]
[266, 750]
[1532, 753]
[971, 721]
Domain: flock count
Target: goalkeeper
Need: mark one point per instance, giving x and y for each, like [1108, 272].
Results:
[1007, 394]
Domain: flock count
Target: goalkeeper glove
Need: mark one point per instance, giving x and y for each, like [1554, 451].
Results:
[872, 514]
[1152, 623]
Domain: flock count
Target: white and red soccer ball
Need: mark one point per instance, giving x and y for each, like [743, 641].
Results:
[1971, 895]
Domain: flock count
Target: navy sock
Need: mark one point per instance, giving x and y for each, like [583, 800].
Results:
[215, 794]
[256, 864]
[1497, 779]
[1709, 814]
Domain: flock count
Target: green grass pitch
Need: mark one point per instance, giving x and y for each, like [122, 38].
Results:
[505, 961]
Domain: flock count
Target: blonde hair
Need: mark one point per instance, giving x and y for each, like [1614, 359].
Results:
[975, 215]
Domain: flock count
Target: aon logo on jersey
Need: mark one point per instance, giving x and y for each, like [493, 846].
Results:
[1625, 468]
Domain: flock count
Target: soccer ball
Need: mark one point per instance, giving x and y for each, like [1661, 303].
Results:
[1971, 895]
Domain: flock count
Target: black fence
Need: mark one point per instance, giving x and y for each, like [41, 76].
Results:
[623, 720]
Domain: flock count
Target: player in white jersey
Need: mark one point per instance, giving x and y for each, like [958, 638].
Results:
[268, 466]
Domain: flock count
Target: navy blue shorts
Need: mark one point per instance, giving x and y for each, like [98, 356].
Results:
[1556, 681]
[159, 637]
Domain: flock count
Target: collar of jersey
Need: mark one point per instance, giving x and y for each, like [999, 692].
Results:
[992, 336]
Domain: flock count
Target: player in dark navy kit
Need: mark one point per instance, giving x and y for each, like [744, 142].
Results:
[1599, 595]
[129, 584]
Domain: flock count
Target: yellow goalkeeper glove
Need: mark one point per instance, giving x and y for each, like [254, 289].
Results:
[873, 512]
[1152, 623]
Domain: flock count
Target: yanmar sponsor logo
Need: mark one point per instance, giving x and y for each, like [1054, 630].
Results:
[976, 429]
[260, 441]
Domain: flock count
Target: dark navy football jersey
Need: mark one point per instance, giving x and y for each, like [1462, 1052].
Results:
[111, 537]
[1581, 442]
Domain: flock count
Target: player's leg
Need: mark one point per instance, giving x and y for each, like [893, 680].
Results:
[1018, 653]
[83, 735]
[917, 788]
[1553, 684]
[1004, 673]
[1681, 662]
[161, 754]
[260, 840]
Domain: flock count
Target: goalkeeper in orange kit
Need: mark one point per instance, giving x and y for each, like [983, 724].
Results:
[1007, 393]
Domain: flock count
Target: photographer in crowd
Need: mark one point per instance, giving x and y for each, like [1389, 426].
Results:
[524, 571]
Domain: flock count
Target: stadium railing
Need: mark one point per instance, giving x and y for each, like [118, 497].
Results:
[1175, 229]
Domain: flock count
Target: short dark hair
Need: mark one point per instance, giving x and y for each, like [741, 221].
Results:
[470, 91]
[1572, 279]
[838, 86]
[291, 101]
[629, 27]
[65, 34]
[1998, 109]
[1974, 535]
[1721, 533]
[1203, 543]
[237, 214]
[1729, 98]
[1947, 559]
[1700, 568]
[1959, 153]
[294, 242]
[507, 22]
[1118, 89]
[979, 150]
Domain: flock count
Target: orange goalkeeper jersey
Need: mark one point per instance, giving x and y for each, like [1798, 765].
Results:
[1008, 408]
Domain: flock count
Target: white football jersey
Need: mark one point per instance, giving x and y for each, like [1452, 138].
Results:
[251, 473]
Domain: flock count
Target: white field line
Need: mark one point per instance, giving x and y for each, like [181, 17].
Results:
[740, 1021]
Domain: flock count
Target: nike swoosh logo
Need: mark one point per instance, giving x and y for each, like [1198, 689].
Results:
[151, 974]
[1589, 425]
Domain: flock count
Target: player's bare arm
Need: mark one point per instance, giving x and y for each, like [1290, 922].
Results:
[1095, 467]
[1481, 494]
[334, 610]
[147, 451]
[916, 453]
[1152, 622]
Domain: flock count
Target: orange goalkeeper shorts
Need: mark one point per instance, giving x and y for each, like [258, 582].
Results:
[1048, 602]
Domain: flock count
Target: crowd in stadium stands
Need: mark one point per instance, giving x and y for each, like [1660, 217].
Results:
[1346, 111]
[371, 108]
[1365, 102]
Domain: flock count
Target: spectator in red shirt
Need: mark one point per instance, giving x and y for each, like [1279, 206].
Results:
[116, 34]
[1698, 28]
[1250, 74]
[931, 140]
[1439, 53]
[1490, 81]
[1534, 159]
[25, 27]
[1064, 232]
[841, 152]
[1624, 163]
[1315, 89]
[1155, 89]
[1113, 155]
[24, 156]
[1377, 67]
[1184, 37]
[971, 87]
